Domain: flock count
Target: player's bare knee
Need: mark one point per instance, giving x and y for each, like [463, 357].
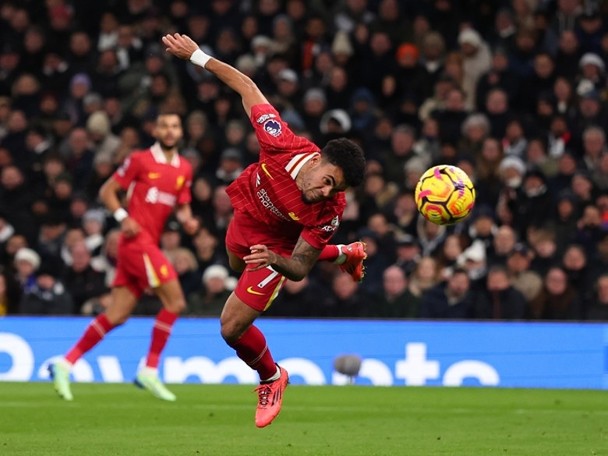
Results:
[230, 331]
[176, 306]
[117, 319]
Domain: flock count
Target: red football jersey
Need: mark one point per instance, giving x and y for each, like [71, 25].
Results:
[268, 193]
[154, 187]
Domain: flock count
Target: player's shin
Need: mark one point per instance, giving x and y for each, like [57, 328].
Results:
[160, 334]
[251, 347]
[94, 333]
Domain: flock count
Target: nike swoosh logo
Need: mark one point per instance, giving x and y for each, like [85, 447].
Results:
[263, 165]
[153, 175]
[293, 216]
[253, 292]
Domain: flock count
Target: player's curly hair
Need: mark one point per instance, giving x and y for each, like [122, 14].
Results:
[348, 156]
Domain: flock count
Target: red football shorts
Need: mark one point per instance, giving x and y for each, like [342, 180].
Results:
[141, 266]
[259, 288]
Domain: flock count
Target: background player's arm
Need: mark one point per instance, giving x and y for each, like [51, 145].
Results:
[108, 194]
[184, 216]
[183, 47]
[295, 268]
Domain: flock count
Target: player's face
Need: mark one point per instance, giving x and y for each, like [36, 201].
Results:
[322, 182]
[168, 130]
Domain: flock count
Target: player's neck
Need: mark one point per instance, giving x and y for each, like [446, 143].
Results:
[169, 153]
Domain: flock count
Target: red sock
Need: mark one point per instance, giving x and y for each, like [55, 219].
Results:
[251, 347]
[96, 331]
[329, 253]
[160, 334]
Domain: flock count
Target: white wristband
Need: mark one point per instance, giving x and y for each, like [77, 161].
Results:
[199, 58]
[120, 214]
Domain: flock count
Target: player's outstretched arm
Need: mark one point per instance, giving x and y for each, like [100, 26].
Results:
[295, 268]
[108, 194]
[183, 47]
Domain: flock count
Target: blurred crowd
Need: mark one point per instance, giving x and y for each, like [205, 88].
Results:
[512, 91]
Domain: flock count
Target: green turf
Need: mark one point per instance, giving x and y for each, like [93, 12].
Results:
[218, 420]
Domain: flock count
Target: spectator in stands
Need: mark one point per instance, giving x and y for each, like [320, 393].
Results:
[500, 75]
[488, 166]
[475, 130]
[568, 55]
[447, 258]
[209, 301]
[502, 245]
[73, 235]
[376, 261]
[594, 146]
[528, 282]
[81, 279]
[424, 276]
[407, 252]
[377, 194]
[207, 249]
[499, 112]
[575, 264]
[589, 230]
[482, 226]
[477, 61]
[26, 263]
[185, 265]
[171, 237]
[567, 166]
[598, 306]
[451, 299]
[452, 116]
[346, 299]
[48, 295]
[545, 249]
[500, 300]
[598, 260]
[230, 166]
[430, 236]
[537, 157]
[473, 259]
[93, 224]
[105, 261]
[105, 144]
[395, 300]
[15, 200]
[558, 300]
[533, 205]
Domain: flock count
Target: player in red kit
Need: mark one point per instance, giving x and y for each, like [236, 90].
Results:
[286, 209]
[158, 183]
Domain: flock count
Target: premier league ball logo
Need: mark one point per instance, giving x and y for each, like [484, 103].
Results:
[272, 127]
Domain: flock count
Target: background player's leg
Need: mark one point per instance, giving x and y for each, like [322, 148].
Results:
[122, 304]
[120, 308]
[172, 297]
[174, 303]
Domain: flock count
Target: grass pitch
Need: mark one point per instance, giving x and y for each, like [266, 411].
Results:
[348, 420]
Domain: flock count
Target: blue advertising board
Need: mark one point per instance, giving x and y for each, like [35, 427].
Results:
[393, 353]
